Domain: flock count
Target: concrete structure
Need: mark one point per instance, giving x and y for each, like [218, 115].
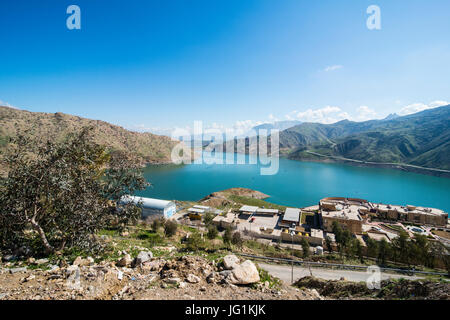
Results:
[291, 218]
[420, 215]
[345, 211]
[228, 220]
[262, 211]
[248, 209]
[152, 207]
[295, 235]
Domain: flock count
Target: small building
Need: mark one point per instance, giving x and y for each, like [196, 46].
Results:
[291, 217]
[152, 207]
[248, 209]
[195, 213]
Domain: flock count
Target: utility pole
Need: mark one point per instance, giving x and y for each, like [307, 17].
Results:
[292, 260]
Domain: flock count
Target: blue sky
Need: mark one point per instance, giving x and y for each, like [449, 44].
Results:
[161, 64]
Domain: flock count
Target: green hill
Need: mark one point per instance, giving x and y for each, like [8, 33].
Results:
[421, 139]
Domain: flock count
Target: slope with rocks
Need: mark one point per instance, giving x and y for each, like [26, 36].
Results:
[148, 147]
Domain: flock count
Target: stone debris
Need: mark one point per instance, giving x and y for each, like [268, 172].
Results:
[192, 278]
[185, 277]
[125, 261]
[143, 257]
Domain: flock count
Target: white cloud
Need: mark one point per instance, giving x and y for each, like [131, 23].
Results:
[328, 114]
[417, 107]
[364, 113]
[333, 68]
[241, 127]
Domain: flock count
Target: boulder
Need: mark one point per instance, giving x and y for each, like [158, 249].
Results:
[230, 261]
[143, 257]
[191, 278]
[125, 261]
[212, 277]
[79, 261]
[17, 270]
[155, 265]
[245, 273]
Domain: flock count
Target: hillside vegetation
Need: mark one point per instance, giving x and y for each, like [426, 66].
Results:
[147, 147]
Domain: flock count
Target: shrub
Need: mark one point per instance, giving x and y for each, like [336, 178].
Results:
[208, 218]
[157, 224]
[170, 228]
[227, 236]
[195, 242]
[237, 239]
[212, 232]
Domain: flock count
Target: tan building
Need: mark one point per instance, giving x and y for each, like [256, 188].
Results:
[420, 215]
[345, 211]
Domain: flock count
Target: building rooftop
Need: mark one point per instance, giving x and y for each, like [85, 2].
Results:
[347, 213]
[408, 208]
[272, 211]
[248, 209]
[292, 214]
[147, 202]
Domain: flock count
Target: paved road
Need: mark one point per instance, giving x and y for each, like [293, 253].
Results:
[378, 163]
[283, 272]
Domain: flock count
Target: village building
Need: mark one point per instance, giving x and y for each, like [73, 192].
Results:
[291, 218]
[345, 211]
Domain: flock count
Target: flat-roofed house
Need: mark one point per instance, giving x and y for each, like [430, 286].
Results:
[291, 217]
[246, 211]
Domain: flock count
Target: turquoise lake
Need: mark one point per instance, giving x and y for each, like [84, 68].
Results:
[298, 184]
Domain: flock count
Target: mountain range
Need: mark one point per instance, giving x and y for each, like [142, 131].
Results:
[421, 139]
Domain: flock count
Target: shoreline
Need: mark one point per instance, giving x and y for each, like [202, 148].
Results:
[398, 167]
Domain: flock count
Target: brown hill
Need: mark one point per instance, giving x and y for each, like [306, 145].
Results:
[148, 147]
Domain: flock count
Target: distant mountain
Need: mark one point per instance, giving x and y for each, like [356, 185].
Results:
[421, 139]
[279, 125]
[392, 116]
[148, 147]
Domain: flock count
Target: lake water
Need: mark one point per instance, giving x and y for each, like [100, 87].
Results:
[299, 184]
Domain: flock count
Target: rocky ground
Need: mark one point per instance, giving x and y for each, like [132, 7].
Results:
[389, 289]
[145, 277]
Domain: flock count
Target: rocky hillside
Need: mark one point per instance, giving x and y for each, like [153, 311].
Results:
[149, 148]
[146, 277]
[389, 289]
